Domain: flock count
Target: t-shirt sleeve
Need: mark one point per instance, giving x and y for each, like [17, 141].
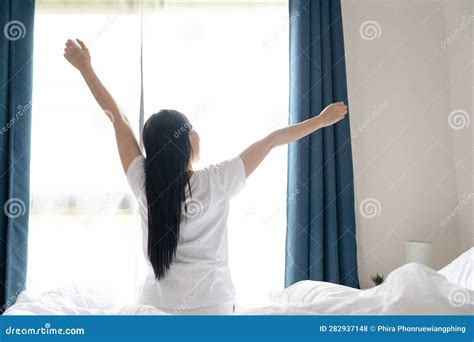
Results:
[136, 177]
[228, 176]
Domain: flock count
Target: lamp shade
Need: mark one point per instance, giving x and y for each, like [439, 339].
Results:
[418, 251]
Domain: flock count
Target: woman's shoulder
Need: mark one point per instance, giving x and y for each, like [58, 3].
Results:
[227, 177]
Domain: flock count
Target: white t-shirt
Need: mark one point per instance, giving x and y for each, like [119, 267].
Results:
[199, 275]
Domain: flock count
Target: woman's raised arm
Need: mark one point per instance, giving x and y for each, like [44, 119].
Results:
[78, 55]
[255, 153]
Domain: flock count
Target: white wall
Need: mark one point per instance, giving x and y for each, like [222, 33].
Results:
[410, 166]
[460, 26]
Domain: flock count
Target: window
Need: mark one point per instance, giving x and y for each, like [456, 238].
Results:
[224, 66]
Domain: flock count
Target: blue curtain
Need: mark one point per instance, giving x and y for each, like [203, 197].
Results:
[16, 52]
[320, 241]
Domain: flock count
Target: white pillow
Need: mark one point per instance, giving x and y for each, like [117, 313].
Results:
[459, 271]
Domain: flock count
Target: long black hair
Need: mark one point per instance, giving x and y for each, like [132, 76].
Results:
[167, 174]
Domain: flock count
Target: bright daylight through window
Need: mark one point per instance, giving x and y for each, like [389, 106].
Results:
[224, 66]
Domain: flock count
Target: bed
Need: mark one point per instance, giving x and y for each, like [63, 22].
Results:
[412, 289]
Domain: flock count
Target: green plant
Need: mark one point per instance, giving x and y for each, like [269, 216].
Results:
[377, 279]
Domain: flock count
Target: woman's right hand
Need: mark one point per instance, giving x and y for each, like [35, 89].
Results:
[78, 55]
[254, 154]
[332, 114]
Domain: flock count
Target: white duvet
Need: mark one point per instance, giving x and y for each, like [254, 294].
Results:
[412, 289]
[74, 301]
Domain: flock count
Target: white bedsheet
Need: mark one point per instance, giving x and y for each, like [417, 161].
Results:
[412, 289]
[460, 270]
[74, 301]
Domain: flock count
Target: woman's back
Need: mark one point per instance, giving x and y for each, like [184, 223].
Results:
[199, 276]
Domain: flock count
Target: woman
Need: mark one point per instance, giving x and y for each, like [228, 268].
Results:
[184, 211]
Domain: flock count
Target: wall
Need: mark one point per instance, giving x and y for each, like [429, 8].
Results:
[460, 26]
[410, 166]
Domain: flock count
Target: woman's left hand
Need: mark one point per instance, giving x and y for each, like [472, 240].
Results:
[78, 55]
